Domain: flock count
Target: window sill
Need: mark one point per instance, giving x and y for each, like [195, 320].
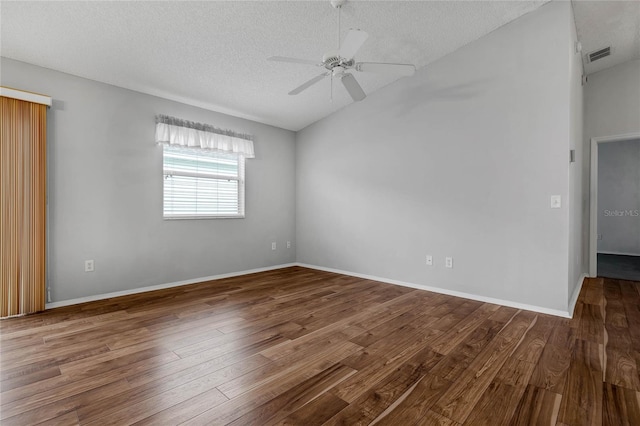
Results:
[202, 217]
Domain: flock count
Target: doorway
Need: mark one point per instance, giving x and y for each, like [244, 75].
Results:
[615, 207]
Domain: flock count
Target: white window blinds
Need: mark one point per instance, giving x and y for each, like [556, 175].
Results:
[202, 183]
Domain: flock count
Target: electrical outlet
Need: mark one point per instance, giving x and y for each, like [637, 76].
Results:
[273, 246]
[288, 244]
[429, 260]
[88, 266]
[448, 262]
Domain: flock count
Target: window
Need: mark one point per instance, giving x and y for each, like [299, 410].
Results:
[203, 169]
[202, 184]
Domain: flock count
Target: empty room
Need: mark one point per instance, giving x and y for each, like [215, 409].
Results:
[331, 212]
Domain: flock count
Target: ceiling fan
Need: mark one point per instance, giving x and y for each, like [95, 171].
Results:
[338, 63]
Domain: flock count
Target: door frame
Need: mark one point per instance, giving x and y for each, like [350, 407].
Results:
[593, 213]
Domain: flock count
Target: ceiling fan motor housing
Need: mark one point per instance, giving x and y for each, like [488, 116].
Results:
[330, 60]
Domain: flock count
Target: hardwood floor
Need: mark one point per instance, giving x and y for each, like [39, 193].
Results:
[303, 347]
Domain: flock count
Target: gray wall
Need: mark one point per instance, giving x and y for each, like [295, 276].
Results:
[578, 174]
[612, 101]
[619, 197]
[105, 191]
[459, 160]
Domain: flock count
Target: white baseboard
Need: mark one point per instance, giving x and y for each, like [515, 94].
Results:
[162, 286]
[618, 253]
[517, 305]
[576, 293]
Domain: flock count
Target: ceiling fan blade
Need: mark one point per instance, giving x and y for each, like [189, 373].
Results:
[352, 86]
[352, 42]
[308, 84]
[383, 68]
[293, 60]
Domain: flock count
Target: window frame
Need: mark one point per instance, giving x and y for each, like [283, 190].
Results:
[240, 178]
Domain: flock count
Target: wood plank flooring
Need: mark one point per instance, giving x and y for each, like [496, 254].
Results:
[298, 346]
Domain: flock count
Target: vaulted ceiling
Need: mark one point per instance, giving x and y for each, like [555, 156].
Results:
[214, 54]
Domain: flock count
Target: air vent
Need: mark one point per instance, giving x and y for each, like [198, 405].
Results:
[599, 54]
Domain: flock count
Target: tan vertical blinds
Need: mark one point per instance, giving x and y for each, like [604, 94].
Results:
[22, 206]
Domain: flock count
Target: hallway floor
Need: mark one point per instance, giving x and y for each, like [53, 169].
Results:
[619, 267]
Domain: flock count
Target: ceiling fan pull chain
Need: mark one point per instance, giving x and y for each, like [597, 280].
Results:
[331, 92]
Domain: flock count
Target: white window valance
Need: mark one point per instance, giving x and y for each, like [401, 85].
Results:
[187, 134]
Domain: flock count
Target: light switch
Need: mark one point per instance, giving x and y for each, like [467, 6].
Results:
[556, 201]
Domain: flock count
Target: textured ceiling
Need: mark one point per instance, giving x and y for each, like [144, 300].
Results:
[608, 23]
[213, 54]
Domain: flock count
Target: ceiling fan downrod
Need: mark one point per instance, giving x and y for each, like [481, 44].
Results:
[338, 5]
